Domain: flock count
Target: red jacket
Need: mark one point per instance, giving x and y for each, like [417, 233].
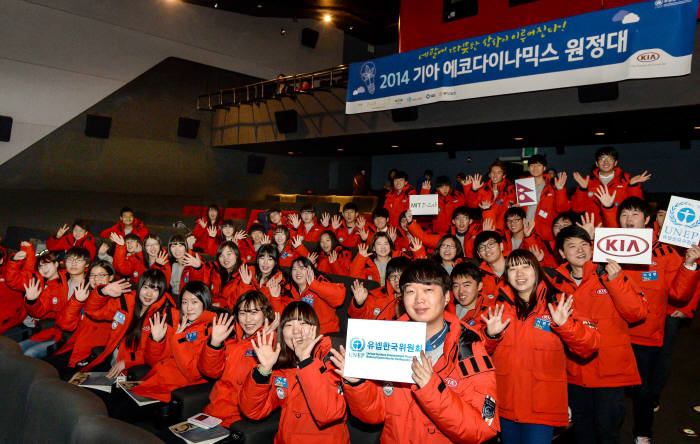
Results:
[137, 228]
[552, 258]
[611, 306]
[230, 364]
[456, 405]
[505, 199]
[473, 317]
[119, 312]
[310, 235]
[584, 200]
[247, 249]
[225, 295]
[132, 266]
[175, 358]
[492, 284]
[530, 361]
[396, 203]
[552, 202]
[11, 301]
[341, 266]
[288, 254]
[202, 238]
[431, 240]
[442, 223]
[277, 303]
[324, 296]
[311, 398]
[689, 308]
[87, 333]
[348, 238]
[364, 267]
[68, 241]
[380, 304]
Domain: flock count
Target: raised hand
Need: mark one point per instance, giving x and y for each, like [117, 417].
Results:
[422, 369]
[426, 185]
[267, 356]
[116, 288]
[212, 231]
[560, 181]
[364, 234]
[582, 181]
[336, 222]
[692, 255]
[313, 257]
[162, 258]
[485, 204]
[588, 224]
[409, 217]
[294, 220]
[269, 327]
[33, 290]
[539, 254]
[488, 225]
[202, 222]
[338, 360]
[363, 250]
[192, 261]
[494, 323]
[104, 248]
[359, 292]
[563, 310]
[221, 328]
[640, 178]
[361, 222]
[273, 284]
[297, 241]
[190, 240]
[308, 340]
[116, 238]
[239, 236]
[467, 181]
[61, 231]
[265, 240]
[309, 275]
[603, 194]
[158, 326]
[20, 255]
[246, 275]
[477, 182]
[183, 324]
[613, 269]
[416, 244]
[82, 291]
[528, 227]
[393, 234]
[325, 219]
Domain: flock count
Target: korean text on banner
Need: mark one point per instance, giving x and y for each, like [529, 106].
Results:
[682, 223]
[623, 245]
[526, 192]
[382, 350]
[423, 204]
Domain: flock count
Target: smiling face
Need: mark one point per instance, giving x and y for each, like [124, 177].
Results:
[448, 250]
[299, 274]
[536, 169]
[276, 217]
[99, 276]
[191, 307]
[250, 318]
[178, 250]
[148, 294]
[294, 331]
[75, 265]
[380, 222]
[325, 242]
[127, 218]
[490, 251]
[496, 174]
[48, 270]
[382, 247]
[152, 247]
[280, 237]
[257, 236]
[132, 245]
[461, 223]
[514, 224]
[606, 164]
[560, 225]
[576, 251]
[228, 258]
[266, 264]
[465, 290]
[227, 231]
[522, 278]
[79, 232]
[307, 217]
[213, 214]
[399, 183]
[633, 218]
[425, 303]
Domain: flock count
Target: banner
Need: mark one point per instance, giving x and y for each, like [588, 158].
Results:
[682, 224]
[423, 204]
[639, 40]
[382, 350]
[623, 245]
[526, 191]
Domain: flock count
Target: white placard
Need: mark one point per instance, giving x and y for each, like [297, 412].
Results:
[526, 192]
[423, 204]
[623, 245]
[682, 224]
[382, 350]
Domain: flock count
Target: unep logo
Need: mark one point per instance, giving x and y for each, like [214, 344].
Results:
[357, 344]
[685, 215]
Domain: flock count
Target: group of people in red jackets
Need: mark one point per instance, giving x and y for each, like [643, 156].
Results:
[524, 332]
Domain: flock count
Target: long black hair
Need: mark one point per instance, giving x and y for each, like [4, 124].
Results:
[524, 308]
[296, 310]
[223, 273]
[151, 277]
[200, 290]
[267, 250]
[145, 254]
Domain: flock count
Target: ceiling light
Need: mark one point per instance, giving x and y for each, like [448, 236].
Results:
[291, 153]
[600, 133]
[518, 139]
[696, 127]
[394, 146]
[439, 143]
[259, 5]
[340, 150]
[216, 5]
[327, 18]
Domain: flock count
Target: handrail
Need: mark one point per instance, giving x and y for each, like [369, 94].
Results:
[288, 86]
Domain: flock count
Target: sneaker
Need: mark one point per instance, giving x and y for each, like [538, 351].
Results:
[696, 408]
[642, 440]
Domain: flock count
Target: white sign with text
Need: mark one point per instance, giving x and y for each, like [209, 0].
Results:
[382, 350]
[682, 224]
[423, 204]
[623, 245]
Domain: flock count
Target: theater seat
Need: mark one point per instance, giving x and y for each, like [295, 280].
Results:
[9, 347]
[105, 430]
[188, 401]
[256, 432]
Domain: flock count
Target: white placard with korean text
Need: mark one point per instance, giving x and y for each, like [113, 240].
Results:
[423, 204]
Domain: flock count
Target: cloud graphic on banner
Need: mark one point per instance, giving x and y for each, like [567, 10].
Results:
[630, 18]
[620, 15]
[359, 90]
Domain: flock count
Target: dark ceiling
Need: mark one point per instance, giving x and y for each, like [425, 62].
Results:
[374, 21]
[663, 124]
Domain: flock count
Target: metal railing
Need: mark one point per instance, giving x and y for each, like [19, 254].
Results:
[275, 89]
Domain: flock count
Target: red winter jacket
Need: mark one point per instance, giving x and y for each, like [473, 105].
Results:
[552, 202]
[68, 241]
[473, 317]
[611, 306]
[202, 238]
[431, 240]
[380, 304]
[309, 235]
[132, 266]
[11, 301]
[687, 309]
[277, 303]
[492, 284]
[505, 198]
[311, 398]
[442, 223]
[175, 358]
[137, 228]
[341, 266]
[324, 296]
[223, 296]
[396, 203]
[87, 333]
[456, 405]
[288, 254]
[348, 238]
[584, 200]
[530, 361]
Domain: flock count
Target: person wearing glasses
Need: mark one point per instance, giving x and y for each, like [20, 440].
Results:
[519, 232]
[489, 247]
[464, 227]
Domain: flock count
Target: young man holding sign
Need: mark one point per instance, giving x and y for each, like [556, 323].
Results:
[454, 395]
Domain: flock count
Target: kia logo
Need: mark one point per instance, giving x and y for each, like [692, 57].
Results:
[623, 245]
[647, 57]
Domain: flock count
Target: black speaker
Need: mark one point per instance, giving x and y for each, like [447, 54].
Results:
[309, 37]
[187, 128]
[286, 121]
[598, 93]
[404, 114]
[256, 164]
[98, 126]
[5, 128]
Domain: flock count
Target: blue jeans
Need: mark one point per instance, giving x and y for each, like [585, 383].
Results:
[519, 433]
[36, 349]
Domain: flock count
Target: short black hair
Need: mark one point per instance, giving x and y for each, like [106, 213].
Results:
[428, 172]
[635, 203]
[398, 263]
[350, 206]
[466, 269]
[133, 237]
[571, 231]
[256, 227]
[441, 181]
[462, 211]
[308, 208]
[606, 151]
[380, 212]
[401, 175]
[198, 289]
[486, 236]
[79, 253]
[126, 210]
[537, 158]
[514, 211]
[426, 272]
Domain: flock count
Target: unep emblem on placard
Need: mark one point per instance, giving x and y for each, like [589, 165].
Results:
[683, 213]
[357, 344]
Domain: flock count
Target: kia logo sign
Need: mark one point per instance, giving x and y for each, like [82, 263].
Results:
[623, 245]
[647, 57]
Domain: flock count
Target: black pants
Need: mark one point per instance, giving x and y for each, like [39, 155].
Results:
[597, 413]
[643, 396]
[664, 370]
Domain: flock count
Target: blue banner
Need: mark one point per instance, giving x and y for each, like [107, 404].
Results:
[640, 40]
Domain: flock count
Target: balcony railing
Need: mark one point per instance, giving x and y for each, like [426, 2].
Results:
[275, 89]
